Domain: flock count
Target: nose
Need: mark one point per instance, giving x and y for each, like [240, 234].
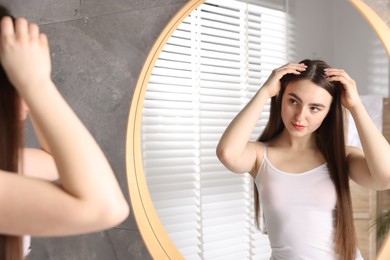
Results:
[300, 114]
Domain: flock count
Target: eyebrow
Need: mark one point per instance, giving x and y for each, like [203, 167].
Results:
[311, 104]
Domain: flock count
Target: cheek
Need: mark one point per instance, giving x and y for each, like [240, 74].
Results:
[317, 120]
[284, 113]
[287, 112]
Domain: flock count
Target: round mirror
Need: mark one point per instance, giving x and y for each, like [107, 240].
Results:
[204, 67]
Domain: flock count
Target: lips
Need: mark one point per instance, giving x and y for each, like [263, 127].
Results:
[298, 126]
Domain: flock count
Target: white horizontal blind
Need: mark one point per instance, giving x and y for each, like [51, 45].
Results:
[224, 196]
[273, 4]
[209, 69]
[266, 46]
[170, 140]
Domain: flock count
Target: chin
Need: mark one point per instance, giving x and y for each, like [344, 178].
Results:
[298, 133]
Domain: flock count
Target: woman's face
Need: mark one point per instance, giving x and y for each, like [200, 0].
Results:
[304, 107]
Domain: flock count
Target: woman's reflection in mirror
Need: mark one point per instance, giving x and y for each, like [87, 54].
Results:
[300, 163]
[87, 197]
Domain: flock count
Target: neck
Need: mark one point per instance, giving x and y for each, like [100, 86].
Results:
[296, 143]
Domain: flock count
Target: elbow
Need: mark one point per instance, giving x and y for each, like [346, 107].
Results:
[227, 157]
[116, 214]
[223, 154]
[379, 183]
[111, 213]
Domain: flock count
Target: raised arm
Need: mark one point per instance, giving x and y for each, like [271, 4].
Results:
[39, 163]
[234, 149]
[89, 198]
[369, 167]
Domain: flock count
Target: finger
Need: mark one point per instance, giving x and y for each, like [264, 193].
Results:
[296, 71]
[296, 65]
[345, 82]
[7, 28]
[33, 30]
[340, 76]
[293, 67]
[335, 72]
[293, 70]
[43, 39]
[21, 28]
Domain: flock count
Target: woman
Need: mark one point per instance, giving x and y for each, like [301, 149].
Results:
[87, 197]
[300, 163]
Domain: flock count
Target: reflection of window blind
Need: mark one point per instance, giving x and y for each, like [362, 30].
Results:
[209, 69]
[386, 119]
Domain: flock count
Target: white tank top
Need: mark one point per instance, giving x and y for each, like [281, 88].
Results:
[298, 210]
[26, 245]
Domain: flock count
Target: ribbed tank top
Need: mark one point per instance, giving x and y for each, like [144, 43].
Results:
[298, 211]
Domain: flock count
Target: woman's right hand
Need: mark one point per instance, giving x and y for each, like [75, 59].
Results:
[24, 54]
[272, 84]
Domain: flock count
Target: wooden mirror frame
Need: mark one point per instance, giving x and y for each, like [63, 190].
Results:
[379, 26]
[152, 231]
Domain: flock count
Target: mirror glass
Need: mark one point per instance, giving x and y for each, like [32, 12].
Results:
[208, 70]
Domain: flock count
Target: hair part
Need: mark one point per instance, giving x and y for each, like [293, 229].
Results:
[331, 143]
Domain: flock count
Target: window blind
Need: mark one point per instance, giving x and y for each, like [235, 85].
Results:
[207, 72]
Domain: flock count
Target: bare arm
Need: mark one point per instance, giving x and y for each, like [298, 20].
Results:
[39, 163]
[89, 198]
[384, 252]
[235, 150]
[369, 167]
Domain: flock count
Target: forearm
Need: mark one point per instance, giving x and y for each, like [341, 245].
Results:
[237, 134]
[39, 163]
[41, 138]
[375, 146]
[83, 169]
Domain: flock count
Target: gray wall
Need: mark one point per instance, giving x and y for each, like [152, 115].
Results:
[98, 49]
[333, 30]
[358, 48]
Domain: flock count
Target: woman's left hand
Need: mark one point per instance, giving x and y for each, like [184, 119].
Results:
[350, 96]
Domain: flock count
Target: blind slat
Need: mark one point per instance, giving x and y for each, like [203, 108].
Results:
[215, 61]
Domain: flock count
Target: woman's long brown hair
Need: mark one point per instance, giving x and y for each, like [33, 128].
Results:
[11, 247]
[331, 143]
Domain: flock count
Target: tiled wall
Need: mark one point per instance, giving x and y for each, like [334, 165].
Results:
[98, 48]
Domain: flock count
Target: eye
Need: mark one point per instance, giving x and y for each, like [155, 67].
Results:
[315, 109]
[293, 101]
